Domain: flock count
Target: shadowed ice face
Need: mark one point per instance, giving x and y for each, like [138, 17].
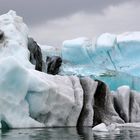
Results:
[1, 36]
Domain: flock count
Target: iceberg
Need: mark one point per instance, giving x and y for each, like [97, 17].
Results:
[113, 59]
[15, 38]
[77, 95]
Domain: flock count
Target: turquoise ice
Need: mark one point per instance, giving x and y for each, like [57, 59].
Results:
[114, 59]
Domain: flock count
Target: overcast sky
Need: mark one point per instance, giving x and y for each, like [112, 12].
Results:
[52, 21]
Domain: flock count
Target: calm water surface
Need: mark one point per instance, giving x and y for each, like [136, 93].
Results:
[68, 134]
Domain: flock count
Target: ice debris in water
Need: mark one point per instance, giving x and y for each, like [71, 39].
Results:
[104, 128]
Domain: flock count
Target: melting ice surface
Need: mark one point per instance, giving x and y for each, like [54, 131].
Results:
[114, 59]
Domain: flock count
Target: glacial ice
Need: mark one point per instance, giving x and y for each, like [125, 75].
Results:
[15, 32]
[54, 100]
[75, 51]
[122, 100]
[113, 59]
[87, 113]
[101, 127]
[31, 98]
[14, 81]
[28, 95]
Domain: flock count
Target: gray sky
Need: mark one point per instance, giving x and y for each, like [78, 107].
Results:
[52, 21]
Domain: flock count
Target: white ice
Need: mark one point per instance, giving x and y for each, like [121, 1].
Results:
[29, 98]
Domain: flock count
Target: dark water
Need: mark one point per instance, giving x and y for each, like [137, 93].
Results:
[68, 134]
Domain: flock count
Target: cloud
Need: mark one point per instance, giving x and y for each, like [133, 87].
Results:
[36, 11]
[114, 19]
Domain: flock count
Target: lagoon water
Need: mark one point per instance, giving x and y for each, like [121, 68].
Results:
[68, 134]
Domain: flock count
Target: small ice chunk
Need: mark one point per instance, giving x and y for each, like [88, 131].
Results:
[104, 128]
[101, 127]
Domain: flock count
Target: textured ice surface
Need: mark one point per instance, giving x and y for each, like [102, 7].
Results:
[29, 98]
[87, 113]
[14, 81]
[55, 100]
[113, 59]
[14, 84]
[122, 98]
[27, 95]
[15, 38]
[76, 51]
[135, 111]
